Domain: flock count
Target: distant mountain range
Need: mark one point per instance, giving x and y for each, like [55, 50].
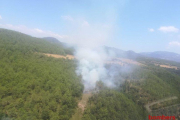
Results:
[163, 55]
[131, 54]
[121, 53]
[157, 54]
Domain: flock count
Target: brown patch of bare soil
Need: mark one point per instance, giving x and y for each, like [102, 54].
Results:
[123, 61]
[167, 66]
[129, 61]
[59, 56]
[82, 104]
[119, 61]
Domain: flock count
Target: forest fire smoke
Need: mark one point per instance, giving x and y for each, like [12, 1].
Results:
[88, 40]
[91, 67]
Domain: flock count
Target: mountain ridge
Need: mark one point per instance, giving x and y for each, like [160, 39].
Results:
[163, 55]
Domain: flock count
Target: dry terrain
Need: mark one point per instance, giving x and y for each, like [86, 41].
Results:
[81, 106]
[59, 56]
[119, 61]
[123, 61]
[167, 66]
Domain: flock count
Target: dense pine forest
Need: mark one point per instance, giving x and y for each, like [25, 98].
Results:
[33, 86]
[112, 105]
[139, 87]
[36, 87]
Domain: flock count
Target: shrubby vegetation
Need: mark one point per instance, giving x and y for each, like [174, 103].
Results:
[112, 105]
[139, 86]
[151, 84]
[165, 104]
[33, 86]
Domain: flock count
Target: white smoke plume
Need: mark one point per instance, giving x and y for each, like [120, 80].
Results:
[91, 67]
[89, 39]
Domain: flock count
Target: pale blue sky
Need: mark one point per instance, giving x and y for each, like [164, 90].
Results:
[139, 25]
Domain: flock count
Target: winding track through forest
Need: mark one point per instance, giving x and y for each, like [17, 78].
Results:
[147, 106]
[81, 106]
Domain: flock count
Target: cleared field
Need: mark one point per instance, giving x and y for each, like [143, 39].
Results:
[119, 61]
[124, 61]
[166, 66]
[59, 56]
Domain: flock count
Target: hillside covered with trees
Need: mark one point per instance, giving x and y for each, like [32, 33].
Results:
[134, 90]
[33, 86]
[36, 87]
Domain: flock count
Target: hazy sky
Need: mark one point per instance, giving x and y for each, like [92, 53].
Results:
[139, 25]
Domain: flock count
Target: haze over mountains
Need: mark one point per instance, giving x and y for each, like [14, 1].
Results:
[171, 56]
[163, 55]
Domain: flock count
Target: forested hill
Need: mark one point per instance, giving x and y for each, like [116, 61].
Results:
[15, 41]
[36, 87]
[32, 85]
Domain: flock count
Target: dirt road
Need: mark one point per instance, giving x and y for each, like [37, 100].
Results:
[147, 106]
[81, 106]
